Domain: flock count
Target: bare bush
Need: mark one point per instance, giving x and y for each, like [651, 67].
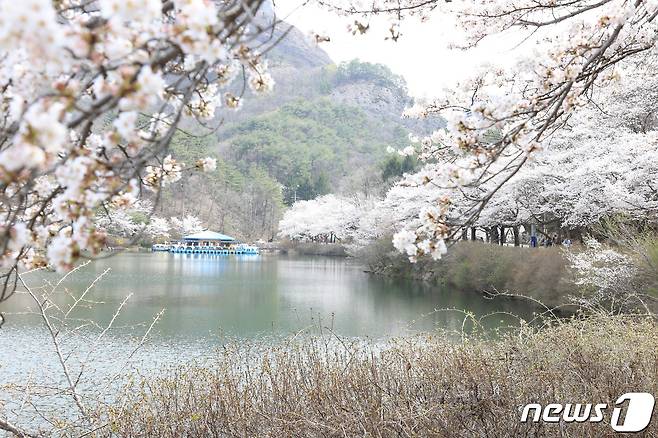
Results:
[423, 386]
[73, 398]
[313, 248]
[473, 266]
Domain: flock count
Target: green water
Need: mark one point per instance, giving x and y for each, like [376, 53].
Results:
[208, 298]
[249, 302]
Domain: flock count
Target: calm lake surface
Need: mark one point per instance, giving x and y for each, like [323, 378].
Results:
[212, 298]
[248, 302]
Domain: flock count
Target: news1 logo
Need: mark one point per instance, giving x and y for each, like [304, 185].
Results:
[638, 412]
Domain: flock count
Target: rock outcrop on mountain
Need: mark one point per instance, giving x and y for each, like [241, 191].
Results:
[303, 70]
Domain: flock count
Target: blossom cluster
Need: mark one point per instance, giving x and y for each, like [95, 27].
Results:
[600, 267]
[92, 95]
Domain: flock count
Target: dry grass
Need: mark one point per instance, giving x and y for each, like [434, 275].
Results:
[420, 387]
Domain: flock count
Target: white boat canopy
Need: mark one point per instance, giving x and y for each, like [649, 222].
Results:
[209, 235]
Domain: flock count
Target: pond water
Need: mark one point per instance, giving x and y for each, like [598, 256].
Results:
[212, 298]
[249, 302]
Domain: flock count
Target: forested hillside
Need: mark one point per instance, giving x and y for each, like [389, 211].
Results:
[293, 145]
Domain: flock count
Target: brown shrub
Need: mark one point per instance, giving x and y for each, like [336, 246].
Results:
[313, 248]
[413, 387]
[540, 273]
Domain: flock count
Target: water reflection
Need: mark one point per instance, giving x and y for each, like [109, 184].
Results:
[207, 296]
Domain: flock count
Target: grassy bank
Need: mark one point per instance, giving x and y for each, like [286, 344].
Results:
[539, 273]
[417, 387]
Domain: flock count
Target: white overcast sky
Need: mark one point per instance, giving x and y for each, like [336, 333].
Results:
[421, 54]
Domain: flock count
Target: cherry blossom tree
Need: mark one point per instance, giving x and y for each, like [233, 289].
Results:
[120, 222]
[595, 167]
[158, 228]
[92, 93]
[600, 164]
[328, 216]
[187, 225]
[578, 48]
[134, 222]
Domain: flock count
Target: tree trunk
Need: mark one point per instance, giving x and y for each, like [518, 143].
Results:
[517, 237]
[493, 235]
[473, 233]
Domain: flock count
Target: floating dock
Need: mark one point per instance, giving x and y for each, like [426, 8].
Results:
[207, 242]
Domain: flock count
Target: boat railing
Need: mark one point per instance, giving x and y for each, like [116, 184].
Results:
[181, 247]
